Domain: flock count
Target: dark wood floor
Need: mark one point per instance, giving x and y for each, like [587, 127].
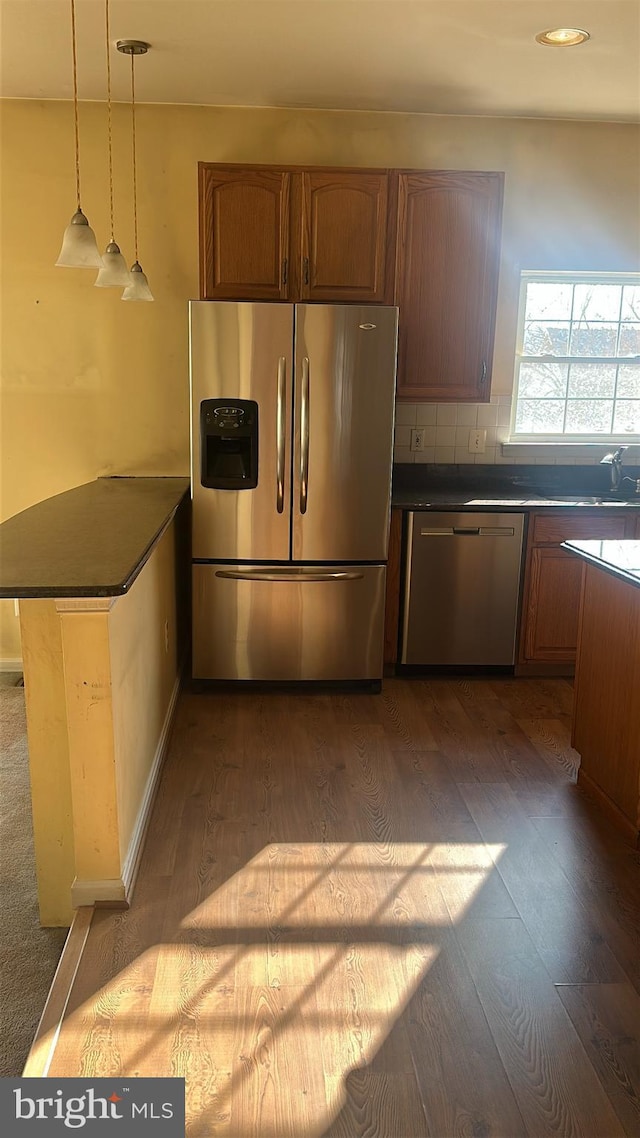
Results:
[386, 916]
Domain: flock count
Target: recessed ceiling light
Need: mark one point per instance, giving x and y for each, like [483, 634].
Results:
[562, 37]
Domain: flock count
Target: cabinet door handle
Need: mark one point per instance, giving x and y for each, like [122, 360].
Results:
[285, 266]
[305, 270]
[483, 373]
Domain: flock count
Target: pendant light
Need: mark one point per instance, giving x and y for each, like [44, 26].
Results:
[79, 247]
[138, 287]
[114, 272]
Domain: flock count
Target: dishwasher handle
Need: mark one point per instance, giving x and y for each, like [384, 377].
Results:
[468, 531]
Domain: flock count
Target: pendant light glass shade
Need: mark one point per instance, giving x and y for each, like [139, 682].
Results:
[79, 246]
[138, 288]
[114, 272]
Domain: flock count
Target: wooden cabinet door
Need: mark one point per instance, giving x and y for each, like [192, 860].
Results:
[244, 233]
[344, 236]
[447, 261]
[553, 579]
[551, 628]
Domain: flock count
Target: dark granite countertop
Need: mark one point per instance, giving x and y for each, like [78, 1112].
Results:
[619, 558]
[507, 487]
[91, 541]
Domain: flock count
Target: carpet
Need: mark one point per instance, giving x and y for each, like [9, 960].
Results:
[29, 954]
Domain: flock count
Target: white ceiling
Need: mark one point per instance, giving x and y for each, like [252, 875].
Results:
[476, 57]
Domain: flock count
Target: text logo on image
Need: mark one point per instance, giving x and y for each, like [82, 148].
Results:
[136, 1107]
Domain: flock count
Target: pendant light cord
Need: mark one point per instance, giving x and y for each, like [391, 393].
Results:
[110, 145]
[133, 146]
[75, 98]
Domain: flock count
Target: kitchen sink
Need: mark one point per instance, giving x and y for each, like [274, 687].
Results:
[594, 499]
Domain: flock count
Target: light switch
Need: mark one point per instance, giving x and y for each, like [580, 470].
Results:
[477, 441]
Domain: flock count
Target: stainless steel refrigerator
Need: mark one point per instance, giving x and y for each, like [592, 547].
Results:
[291, 451]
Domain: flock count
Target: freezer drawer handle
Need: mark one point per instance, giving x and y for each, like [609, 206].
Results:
[470, 531]
[284, 575]
[280, 426]
[304, 436]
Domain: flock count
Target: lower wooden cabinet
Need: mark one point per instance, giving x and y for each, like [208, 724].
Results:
[553, 583]
[606, 713]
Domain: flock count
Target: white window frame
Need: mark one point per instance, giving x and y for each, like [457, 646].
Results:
[563, 439]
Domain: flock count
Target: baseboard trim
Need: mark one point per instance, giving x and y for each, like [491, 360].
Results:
[11, 664]
[134, 853]
[48, 1031]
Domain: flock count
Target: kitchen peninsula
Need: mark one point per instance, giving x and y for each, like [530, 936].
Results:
[606, 716]
[97, 570]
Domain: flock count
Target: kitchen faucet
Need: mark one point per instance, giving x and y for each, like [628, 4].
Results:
[615, 461]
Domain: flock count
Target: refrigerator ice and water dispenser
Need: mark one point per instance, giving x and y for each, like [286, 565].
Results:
[229, 444]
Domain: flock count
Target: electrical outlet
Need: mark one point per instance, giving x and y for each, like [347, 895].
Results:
[417, 439]
[477, 441]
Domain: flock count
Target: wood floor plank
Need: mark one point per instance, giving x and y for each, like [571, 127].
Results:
[535, 698]
[502, 733]
[551, 739]
[531, 1027]
[405, 722]
[607, 1019]
[468, 754]
[377, 1106]
[566, 935]
[464, 1085]
[605, 872]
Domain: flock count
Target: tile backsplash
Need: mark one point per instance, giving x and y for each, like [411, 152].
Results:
[446, 428]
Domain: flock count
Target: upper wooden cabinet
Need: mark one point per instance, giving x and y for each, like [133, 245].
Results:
[244, 233]
[343, 236]
[294, 234]
[447, 260]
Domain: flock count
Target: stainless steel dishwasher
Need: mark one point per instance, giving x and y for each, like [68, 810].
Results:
[462, 587]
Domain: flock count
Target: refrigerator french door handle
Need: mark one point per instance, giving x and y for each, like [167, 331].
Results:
[285, 575]
[280, 433]
[304, 435]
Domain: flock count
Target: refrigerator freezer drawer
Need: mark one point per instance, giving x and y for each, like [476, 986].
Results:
[259, 622]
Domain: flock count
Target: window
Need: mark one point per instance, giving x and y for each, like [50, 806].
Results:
[578, 358]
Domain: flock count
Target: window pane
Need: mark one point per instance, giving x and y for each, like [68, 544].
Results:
[543, 379]
[544, 416]
[589, 416]
[594, 339]
[548, 300]
[630, 302]
[546, 339]
[596, 302]
[629, 340]
[627, 416]
[629, 380]
[592, 380]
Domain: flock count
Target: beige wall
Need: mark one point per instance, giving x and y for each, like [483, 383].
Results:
[94, 386]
